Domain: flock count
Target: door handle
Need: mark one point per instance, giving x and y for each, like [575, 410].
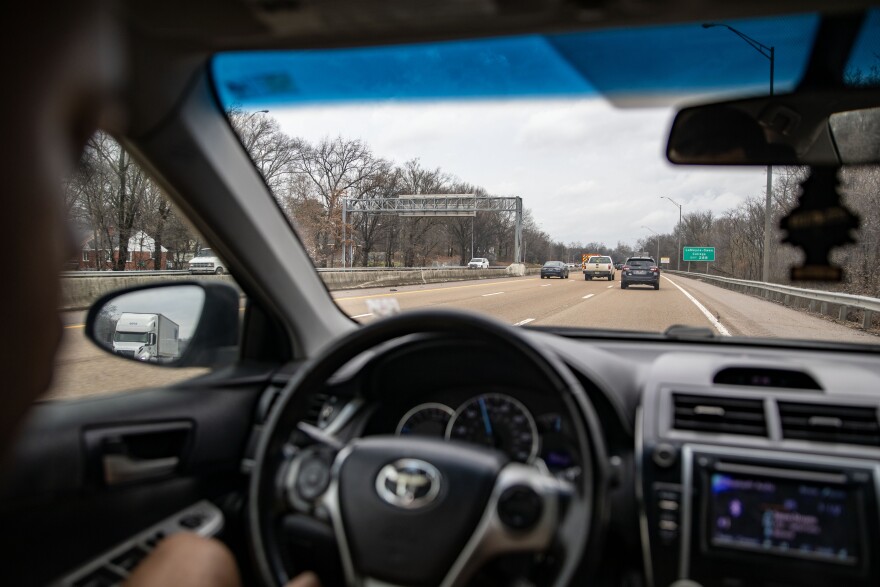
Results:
[133, 452]
[119, 468]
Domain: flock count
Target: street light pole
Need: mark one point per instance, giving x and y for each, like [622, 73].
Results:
[769, 53]
[677, 262]
[252, 114]
[657, 260]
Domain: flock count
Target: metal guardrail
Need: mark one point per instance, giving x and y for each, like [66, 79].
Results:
[352, 269]
[817, 299]
[445, 268]
[68, 274]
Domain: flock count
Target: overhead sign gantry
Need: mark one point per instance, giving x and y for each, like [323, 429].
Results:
[444, 205]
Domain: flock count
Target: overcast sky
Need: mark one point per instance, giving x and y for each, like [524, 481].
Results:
[587, 170]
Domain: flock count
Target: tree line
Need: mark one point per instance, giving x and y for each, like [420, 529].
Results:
[110, 198]
[310, 181]
[738, 233]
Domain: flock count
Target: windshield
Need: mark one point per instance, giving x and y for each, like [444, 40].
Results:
[204, 253]
[142, 337]
[414, 158]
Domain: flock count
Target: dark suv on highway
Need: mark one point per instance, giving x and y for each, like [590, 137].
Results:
[640, 271]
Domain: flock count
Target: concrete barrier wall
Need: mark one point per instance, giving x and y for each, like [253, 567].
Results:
[78, 293]
[364, 279]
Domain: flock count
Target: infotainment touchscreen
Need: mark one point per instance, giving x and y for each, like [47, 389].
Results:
[792, 517]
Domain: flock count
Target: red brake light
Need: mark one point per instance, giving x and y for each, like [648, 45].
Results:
[625, 268]
[655, 269]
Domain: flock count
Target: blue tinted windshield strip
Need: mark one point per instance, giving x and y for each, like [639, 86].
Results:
[640, 61]
[689, 58]
[516, 66]
[863, 67]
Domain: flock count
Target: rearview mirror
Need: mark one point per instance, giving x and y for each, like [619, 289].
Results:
[172, 324]
[831, 128]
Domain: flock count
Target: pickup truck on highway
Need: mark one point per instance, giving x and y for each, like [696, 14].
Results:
[599, 266]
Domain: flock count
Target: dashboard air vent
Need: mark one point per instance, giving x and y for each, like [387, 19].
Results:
[316, 405]
[727, 415]
[830, 423]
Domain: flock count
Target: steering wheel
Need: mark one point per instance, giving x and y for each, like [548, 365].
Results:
[411, 511]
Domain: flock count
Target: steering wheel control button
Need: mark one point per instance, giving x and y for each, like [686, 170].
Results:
[313, 478]
[664, 455]
[520, 507]
[668, 505]
[408, 483]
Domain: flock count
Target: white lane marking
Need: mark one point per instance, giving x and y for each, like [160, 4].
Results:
[718, 325]
[588, 296]
[524, 322]
[546, 285]
[609, 287]
[362, 315]
[492, 294]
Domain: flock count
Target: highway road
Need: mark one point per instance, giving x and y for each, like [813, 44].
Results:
[528, 301]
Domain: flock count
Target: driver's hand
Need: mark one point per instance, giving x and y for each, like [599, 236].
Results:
[188, 560]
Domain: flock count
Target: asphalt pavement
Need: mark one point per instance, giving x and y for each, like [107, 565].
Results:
[525, 301]
[544, 302]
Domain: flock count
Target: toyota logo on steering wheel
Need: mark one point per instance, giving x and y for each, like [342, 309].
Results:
[408, 483]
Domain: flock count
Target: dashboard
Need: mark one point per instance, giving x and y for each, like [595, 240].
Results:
[731, 465]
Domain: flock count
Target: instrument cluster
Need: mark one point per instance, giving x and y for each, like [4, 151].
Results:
[495, 420]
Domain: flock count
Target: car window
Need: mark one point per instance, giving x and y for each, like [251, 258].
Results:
[127, 232]
[527, 148]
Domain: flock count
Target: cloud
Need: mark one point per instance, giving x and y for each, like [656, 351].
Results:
[559, 125]
[577, 189]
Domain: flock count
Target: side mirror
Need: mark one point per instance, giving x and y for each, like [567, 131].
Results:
[180, 324]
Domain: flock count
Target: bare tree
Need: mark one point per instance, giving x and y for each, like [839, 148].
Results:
[337, 168]
[112, 194]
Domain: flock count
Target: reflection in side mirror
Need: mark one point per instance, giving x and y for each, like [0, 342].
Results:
[176, 324]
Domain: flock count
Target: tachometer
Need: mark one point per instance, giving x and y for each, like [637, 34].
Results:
[498, 421]
[429, 419]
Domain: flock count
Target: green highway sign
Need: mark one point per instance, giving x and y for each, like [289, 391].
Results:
[698, 254]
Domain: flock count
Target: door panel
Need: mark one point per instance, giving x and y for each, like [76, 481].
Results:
[57, 510]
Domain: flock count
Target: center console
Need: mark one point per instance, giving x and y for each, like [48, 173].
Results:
[765, 518]
[729, 502]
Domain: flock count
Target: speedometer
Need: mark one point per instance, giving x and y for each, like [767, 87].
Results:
[428, 419]
[498, 421]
